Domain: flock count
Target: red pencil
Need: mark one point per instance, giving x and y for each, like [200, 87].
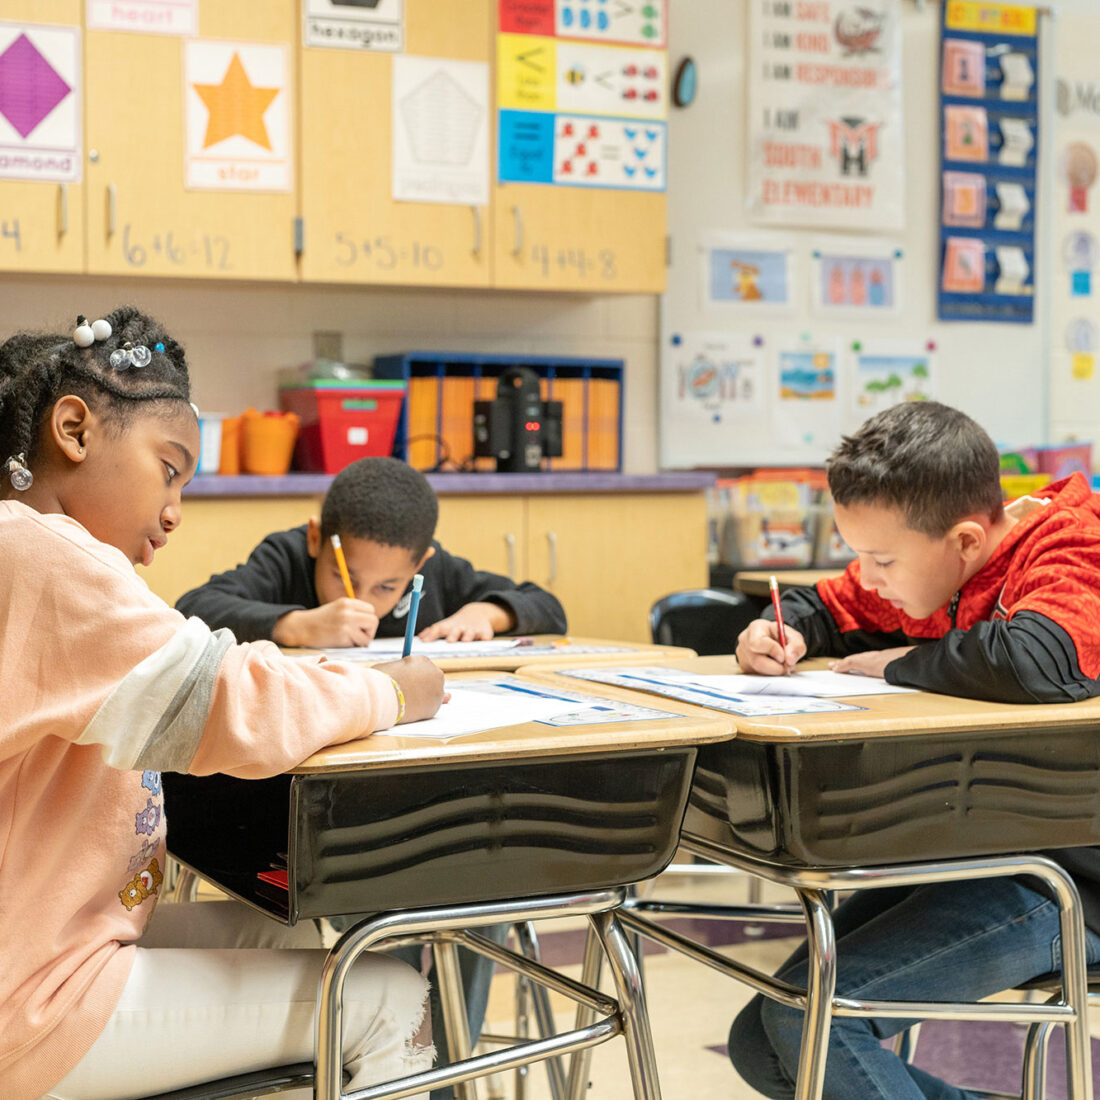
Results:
[773, 584]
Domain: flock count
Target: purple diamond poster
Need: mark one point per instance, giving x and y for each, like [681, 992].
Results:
[40, 102]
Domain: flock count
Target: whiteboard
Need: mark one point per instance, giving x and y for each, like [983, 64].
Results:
[997, 373]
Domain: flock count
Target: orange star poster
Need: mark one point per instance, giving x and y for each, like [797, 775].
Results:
[237, 125]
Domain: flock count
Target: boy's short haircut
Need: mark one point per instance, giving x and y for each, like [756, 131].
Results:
[383, 500]
[931, 462]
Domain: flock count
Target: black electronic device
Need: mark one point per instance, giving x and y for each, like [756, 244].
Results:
[517, 427]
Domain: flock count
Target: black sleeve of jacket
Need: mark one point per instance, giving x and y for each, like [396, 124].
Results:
[536, 611]
[804, 609]
[1026, 659]
[249, 600]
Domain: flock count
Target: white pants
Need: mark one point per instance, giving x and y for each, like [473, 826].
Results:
[197, 1006]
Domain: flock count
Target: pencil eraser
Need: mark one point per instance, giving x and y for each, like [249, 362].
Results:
[418, 582]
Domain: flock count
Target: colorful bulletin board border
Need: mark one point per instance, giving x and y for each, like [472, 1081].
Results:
[989, 76]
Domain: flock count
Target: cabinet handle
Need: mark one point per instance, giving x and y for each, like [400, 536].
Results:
[517, 226]
[552, 547]
[510, 546]
[477, 230]
[62, 209]
[112, 209]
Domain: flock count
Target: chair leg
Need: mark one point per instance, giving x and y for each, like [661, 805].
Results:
[453, 1003]
[1035, 1060]
[820, 989]
[590, 976]
[528, 943]
[187, 885]
[632, 1006]
[905, 1043]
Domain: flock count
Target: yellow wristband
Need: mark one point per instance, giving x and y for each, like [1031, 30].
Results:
[400, 701]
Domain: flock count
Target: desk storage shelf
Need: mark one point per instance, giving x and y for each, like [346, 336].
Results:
[833, 805]
[437, 421]
[395, 838]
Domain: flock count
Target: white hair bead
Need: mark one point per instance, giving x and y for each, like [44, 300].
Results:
[101, 329]
[83, 334]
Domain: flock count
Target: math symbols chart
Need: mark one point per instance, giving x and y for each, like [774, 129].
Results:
[578, 107]
[989, 143]
[40, 102]
[826, 142]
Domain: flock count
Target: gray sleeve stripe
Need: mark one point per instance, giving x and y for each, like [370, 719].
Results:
[172, 743]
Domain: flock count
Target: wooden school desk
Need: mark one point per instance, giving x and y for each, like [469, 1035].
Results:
[755, 582]
[506, 825]
[568, 651]
[914, 788]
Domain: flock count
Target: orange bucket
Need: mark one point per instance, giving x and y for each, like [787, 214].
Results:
[267, 441]
[229, 462]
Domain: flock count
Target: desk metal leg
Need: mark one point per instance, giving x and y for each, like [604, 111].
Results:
[632, 1006]
[453, 1003]
[820, 988]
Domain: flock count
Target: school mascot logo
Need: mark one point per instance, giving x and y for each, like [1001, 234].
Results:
[854, 142]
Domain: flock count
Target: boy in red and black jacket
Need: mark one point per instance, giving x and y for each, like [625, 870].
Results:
[950, 592]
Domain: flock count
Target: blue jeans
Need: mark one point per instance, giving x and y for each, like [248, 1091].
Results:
[957, 941]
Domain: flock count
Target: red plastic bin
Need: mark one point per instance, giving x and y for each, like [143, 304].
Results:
[342, 421]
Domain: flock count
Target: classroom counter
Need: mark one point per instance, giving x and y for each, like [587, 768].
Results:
[297, 484]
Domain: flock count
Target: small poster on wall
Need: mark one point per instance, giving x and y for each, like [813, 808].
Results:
[710, 383]
[754, 271]
[888, 372]
[806, 412]
[852, 276]
[354, 24]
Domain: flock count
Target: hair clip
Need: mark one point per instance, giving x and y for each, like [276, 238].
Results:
[84, 335]
[158, 347]
[19, 474]
[130, 356]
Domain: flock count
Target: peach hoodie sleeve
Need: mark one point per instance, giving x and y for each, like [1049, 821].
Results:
[104, 662]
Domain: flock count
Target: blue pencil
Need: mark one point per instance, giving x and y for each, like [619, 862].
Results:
[414, 606]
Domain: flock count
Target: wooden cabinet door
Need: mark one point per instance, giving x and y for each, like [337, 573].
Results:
[354, 231]
[487, 530]
[576, 238]
[41, 223]
[609, 558]
[142, 219]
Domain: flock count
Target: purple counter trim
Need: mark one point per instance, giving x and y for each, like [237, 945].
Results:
[290, 485]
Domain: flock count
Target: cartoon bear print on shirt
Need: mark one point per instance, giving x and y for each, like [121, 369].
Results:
[147, 820]
[142, 885]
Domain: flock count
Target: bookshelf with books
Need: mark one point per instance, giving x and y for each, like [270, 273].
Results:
[436, 427]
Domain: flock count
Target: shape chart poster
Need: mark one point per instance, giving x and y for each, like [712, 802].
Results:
[40, 103]
[237, 125]
[826, 142]
[440, 130]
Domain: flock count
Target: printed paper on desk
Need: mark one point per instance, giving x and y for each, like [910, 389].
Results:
[479, 705]
[818, 684]
[388, 649]
[676, 684]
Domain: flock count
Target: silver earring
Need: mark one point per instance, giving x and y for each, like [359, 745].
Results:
[19, 474]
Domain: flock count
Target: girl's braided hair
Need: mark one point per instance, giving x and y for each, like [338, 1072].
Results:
[38, 368]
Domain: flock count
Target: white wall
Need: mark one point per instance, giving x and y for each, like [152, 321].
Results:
[238, 336]
[995, 372]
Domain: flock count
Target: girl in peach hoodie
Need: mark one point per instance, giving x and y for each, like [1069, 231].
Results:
[104, 687]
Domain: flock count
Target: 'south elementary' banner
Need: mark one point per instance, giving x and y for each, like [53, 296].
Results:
[826, 147]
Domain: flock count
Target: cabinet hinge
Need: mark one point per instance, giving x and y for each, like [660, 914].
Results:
[299, 236]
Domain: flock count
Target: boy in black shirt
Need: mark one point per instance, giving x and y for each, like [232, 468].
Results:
[290, 590]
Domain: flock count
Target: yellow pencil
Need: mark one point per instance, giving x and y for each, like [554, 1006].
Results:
[338, 550]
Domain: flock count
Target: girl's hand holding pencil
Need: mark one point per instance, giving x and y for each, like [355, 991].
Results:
[421, 684]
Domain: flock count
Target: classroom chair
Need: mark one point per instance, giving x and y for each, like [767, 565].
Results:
[707, 620]
[1071, 988]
